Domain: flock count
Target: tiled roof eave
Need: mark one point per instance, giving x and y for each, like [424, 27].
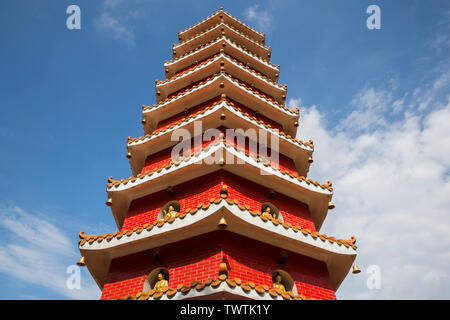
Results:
[202, 211]
[235, 45]
[200, 35]
[215, 14]
[231, 60]
[309, 146]
[210, 80]
[235, 287]
[308, 184]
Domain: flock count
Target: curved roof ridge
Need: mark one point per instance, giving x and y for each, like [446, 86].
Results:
[265, 61]
[216, 13]
[206, 62]
[204, 206]
[176, 162]
[179, 122]
[215, 284]
[232, 79]
[198, 35]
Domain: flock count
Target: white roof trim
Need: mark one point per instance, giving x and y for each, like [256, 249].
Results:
[224, 38]
[223, 287]
[211, 81]
[206, 113]
[212, 149]
[221, 55]
[214, 28]
[213, 15]
[190, 219]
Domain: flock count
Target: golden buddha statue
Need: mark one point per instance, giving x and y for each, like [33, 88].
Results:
[170, 213]
[277, 284]
[161, 283]
[266, 213]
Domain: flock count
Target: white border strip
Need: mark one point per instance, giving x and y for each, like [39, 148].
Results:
[223, 56]
[203, 155]
[178, 97]
[214, 28]
[201, 214]
[230, 43]
[206, 113]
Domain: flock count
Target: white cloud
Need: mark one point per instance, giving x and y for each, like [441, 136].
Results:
[111, 26]
[294, 103]
[37, 252]
[392, 184]
[261, 17]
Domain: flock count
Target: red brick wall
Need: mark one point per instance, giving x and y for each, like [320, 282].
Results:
[145, 210]
[199, 258]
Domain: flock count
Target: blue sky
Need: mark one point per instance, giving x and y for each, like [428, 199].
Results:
[375, 102]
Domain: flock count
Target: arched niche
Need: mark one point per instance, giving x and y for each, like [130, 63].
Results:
[287, 280]
[152, 278]
[273, 210]
[174, 203]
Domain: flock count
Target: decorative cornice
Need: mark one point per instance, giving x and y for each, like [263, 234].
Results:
[211, 79]
[146, 230]
[236, 45]
[309, 184]
[215, 58]
[216, 13]
[201, 34]
[210, 286]
[308, 145]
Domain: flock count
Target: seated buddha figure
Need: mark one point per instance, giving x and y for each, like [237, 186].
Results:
[170, 213]
[266, 213]
[277, 284]
[161, 283]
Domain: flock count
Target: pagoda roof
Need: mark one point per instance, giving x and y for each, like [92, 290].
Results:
[221, 29]
[215, 64]
[208, 89]
[210, 20]
[261, 64]
[338, 254]
[315, 195]
[230, 289]
[157, 140]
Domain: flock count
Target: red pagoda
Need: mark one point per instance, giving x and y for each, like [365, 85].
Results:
[206, 214]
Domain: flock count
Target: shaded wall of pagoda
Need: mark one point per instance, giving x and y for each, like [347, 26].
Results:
[146, 209]
[199, 258]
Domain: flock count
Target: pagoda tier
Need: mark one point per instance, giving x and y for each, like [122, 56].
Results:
[226, 215]
[196, 258]
[213, 87]
[221, 29]
[213, 65]
[317, 196]
[227, 46]
[221, 16]
[215, 114]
